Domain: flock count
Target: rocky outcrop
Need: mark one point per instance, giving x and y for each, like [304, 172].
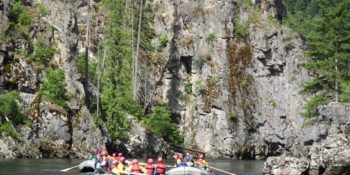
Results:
[56, 131]
[229, 71]
[327, 144]
[330, 148]
[244, 100]
[285, 166]
[142, 143]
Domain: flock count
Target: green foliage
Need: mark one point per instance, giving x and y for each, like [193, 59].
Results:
[345, 95]
[241, 29]
[211, 37]
[288, 44]
[163, 40]
[116, 82]
[211, 82]
[116, 92]
[254, 17]
[9, 107]
[8, 129]
[326, 27]
[308, 122]
[28, 122]
[188, 88]
[273, 103]
[53, 87]
[43, 53]
[233, 116]
[310, 109]
[20, 14]
[80, 63]
[161, 124]
[245, 3]
[20, 23]
[246, 104]
[199, 87]
[272, 20]
[42, 10]
[117, 123]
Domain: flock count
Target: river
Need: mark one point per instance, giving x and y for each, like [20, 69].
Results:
[53, 166]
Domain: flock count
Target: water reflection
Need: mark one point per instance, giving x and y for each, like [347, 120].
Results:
[53, 166]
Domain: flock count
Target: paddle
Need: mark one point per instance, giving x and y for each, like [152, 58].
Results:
[127, 172]
[217, 169]
[67, 169]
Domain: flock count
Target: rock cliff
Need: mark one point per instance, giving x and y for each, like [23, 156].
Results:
[57, 131]
[326, 143]
[243, 100]
[228, 70]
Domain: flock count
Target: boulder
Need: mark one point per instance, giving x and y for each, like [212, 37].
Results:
[286, 166]
[332, 156]
[18, 73]
[86, 136]
[141, 142]
[53, 129]
[7, 147]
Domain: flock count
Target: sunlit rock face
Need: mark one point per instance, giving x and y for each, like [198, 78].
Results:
[56, 131]
[244, 100]
[229, 71]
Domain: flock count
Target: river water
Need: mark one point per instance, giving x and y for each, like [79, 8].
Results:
[53, 166]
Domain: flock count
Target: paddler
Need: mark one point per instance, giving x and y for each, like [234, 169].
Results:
[149, 166]
[188, 160]
[120, 155]
[202, 164]
[136, 168]
[103, 165]
[114, 168]
[160, 167]
[178, 160]
[115, 157]
[120, 167]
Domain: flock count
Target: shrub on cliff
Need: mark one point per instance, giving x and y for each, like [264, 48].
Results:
[9, 107]
[10, 130]
[43, 53]
[162, 125]
[20, 23]
[53, 87]
[80, 63]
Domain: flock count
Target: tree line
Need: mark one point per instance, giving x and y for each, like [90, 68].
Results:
[325, 25]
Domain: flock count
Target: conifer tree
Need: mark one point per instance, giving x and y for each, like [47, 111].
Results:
[329, 49]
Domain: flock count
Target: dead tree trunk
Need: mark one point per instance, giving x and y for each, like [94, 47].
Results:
[136, 66]
[86, 79]
[100, 73]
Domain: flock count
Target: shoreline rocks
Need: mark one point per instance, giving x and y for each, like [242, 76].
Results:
[328, 143]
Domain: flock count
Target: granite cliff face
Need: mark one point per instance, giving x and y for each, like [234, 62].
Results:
[56, 131]
[243, 100]
[326, 144]
[229, 71]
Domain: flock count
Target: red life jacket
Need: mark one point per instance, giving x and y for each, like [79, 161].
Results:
[149, 168]
[136, 169]
[201, 161]
[161, 168]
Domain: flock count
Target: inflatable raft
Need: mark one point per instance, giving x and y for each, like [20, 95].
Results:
[87, 166]
[186, 171]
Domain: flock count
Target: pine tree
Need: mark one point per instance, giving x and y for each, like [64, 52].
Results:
[328, 41]
[116, 95]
